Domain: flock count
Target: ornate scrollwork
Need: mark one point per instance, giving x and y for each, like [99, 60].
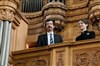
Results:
[82, 59]
[87, 57]
[33, 61]
[60, 59]
[96, 23]
[97, 58]
[6, 14]
[20, 63]
[40, 61]
[94, 13]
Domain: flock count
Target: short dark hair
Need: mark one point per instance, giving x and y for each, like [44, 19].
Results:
[49, 20]
[85, 20]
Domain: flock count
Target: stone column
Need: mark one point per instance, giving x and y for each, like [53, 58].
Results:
[1, 29]
[5, 42]
[7, 10]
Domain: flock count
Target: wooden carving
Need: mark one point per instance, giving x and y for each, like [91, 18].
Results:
[82, 59]
[6, 14]
[34, 61]
[41, 61]
[96, 58]
[94, 14]
[60, 59]
[20, 63]
[86, 57]
[96, 23]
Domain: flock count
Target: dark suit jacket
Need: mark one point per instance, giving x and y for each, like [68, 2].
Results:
[86, 35]
[43, 40]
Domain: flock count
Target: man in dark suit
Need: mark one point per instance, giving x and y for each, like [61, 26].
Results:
[49, 38]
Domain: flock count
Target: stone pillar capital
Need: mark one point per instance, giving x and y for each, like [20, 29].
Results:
[7, 9]
[6, 14]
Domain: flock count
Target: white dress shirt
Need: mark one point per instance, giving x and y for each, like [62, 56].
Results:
[48, 37]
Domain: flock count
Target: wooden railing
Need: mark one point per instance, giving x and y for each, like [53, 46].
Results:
[80, 53]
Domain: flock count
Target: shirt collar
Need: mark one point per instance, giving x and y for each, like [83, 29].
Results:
[50, 33]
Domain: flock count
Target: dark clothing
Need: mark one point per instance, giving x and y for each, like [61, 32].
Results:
[86, 35]
[43, 40]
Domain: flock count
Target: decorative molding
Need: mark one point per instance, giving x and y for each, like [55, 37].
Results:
[94, 14]
[34, 26]
[96, 58]
[94, 8]
[33, 15]
[34, 61]
[41, 61]
[20, 62]
[17, 1]
[86, 57]
[54, 17]
[76, 4]
[77, 12]
[76, 18]
[60, 58]
[79, 1]
[6, 14]
[35, 31]
[55, 9]
[94, 2]
[54, 5]
[11, 4]
[7, 9]
[35, 22]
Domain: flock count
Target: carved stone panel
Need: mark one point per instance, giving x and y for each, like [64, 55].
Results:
[6, 14]
[43, 60]
[20, 63]
[60, 58]
[86, 57]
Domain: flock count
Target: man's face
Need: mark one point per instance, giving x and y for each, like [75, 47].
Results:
[49, 26]
[82, 25]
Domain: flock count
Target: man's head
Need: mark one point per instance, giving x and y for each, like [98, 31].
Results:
[49, 26]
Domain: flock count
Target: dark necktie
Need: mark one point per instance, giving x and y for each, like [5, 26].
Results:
[51, 39]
